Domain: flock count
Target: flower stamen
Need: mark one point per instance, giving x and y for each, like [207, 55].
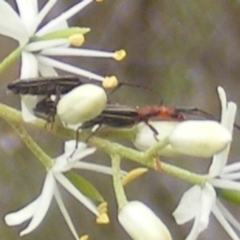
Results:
[119, 55]
[103, 216]
[76, 40]
[110, 82]
[84, 237]
[132, 175]
[102, 219]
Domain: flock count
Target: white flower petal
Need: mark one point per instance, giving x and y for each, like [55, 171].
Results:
[61, 164]
[46, 70]
[28, 10]
[66, 161]
[220, 159]
[44, 11]
[79, 153]
[228, 215]
[50, 26]
[39, 45]
[205, 202]
[74, 191]
[232, 168]
[208, 199]
[218, 162]
[195, 231]
[71, 144]
[69, 68]
[231, 176]
[11, 24]
[63, 51]
[230, 117]
[28, 103]
[188, 205]
[18, 217]
[95, 167]
[223, 102]
[226, 184]
[65, 213]
[44, 203]
[141, 223]
[76, 156]
[29, 68]
[222, 220]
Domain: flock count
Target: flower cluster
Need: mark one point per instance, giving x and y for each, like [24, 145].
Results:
[37, 209]
[199, 201]
[38, 45]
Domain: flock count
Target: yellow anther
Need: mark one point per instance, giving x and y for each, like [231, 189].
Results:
[76, 40]
[119, 55]
[110, 82]
[132, 175]
[102, 207]
[84, 237]
[102, 219]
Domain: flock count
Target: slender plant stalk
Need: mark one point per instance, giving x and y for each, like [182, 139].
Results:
[11, 115]
[10, 59]
[118, 187]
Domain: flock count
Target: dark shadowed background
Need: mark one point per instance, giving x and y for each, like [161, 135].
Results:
[181, 49]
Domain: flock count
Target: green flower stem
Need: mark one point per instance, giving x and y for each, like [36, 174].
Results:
[10, 59]
[145, 159]
[14, 116]
[31, 144]
[118, 187]
[154, 150]
[183, 174]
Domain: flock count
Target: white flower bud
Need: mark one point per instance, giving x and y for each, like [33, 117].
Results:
[81, 104]
[199, 138]
[141, 223]
[145, 136]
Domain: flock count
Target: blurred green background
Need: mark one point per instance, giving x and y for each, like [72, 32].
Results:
[181, 49]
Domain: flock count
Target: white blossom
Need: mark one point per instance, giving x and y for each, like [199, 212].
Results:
[199, 202]
[36, 56]
[37, 209]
